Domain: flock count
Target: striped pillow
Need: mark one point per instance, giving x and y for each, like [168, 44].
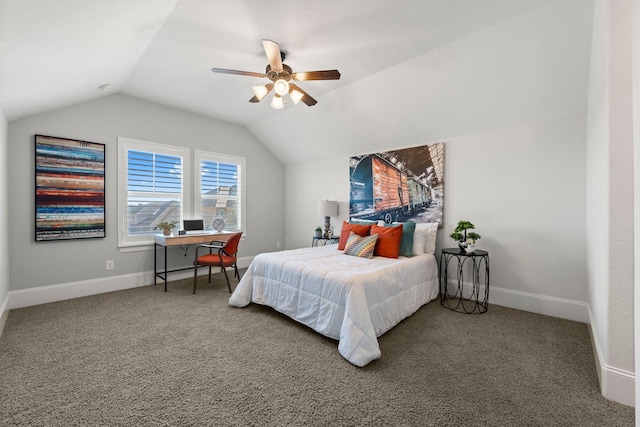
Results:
[360, 246]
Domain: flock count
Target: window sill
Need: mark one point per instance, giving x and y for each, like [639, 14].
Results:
[137, 247]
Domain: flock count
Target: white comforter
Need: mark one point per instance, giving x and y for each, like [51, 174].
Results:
[351, 299]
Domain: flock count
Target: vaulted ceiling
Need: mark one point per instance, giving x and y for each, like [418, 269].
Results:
[394, 54]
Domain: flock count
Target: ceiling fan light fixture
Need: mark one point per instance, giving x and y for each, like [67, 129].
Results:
[281, 87]
[260, 91]
[280, 75]
[278, 102]
[296, 96]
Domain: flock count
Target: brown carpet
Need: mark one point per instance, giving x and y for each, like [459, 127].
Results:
[143, 357]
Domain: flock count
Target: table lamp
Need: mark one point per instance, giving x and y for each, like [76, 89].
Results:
[327, 209]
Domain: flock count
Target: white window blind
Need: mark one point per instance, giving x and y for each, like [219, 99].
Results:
[220, 189]
[156, 182]
[153, 188]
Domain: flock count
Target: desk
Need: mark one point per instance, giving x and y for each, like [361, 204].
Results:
[186, 239]
[476, 303]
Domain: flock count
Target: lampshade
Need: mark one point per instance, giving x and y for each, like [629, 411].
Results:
[327, 208]
[260, 91]
[281, 87]
[296, 96]
[277, 102]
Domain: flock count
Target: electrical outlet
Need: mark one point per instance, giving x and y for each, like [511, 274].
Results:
[278, 245]
[111, 264]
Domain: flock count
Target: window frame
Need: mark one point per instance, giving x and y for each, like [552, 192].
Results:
[198, 156]
[191, 182]
[126, 144]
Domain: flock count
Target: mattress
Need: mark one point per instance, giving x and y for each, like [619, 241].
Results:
[353, 300]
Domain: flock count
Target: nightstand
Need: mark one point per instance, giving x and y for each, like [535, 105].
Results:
[469, 296]
[321, 241]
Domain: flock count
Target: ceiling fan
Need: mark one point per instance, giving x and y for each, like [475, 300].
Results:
[281, 75]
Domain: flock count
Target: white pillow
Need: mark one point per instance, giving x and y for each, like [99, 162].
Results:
[419, 239]
[424, 238]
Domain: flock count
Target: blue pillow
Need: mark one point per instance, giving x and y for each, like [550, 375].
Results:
[362, 221]
[406, 246]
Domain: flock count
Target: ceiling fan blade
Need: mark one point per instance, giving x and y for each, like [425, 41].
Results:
[306, 98]
[237, 72]
[316, 75]
[272, 49]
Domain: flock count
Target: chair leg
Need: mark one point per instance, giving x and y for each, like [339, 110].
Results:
[226, 276]
[195, 277]
[209, 274]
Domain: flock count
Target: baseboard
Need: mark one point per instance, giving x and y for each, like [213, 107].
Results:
[4, 312]
[65, 291]
[615, 384]
[535, 303]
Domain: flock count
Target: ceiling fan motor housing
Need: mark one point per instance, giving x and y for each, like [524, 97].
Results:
[273, 75]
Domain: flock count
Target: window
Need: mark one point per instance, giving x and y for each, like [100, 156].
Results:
[156, 181]
[219, 188]
[152, 188]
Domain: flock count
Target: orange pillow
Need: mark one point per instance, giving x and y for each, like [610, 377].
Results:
[389, 240]
[361, 230]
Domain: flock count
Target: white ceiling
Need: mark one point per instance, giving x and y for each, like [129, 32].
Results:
[57, 53]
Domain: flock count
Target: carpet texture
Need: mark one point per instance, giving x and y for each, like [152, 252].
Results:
[143, 357]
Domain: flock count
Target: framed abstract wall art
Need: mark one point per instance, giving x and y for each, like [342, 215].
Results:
[69, 189]
[398, 185]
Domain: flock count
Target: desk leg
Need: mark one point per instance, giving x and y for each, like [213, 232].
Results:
[155, 263]
[165, 269]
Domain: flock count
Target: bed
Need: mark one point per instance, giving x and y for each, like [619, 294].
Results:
[351, 299]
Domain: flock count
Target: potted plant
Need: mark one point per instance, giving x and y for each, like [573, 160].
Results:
[166, 227]
[466, 240]
[318, 232]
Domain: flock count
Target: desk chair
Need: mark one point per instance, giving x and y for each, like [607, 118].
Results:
[225, 256]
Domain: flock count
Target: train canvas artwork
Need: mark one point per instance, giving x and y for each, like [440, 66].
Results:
[397, 186]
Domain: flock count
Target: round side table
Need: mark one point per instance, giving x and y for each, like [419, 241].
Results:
[476, 298]
[322, 241]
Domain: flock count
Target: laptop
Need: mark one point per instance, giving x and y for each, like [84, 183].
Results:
[193, 226]
[196, 226]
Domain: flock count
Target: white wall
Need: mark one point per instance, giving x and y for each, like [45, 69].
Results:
[610, 198]
[510, 102]
[103, 121]
[522, 187]
[636, 157]
[531, 68]
[4, 222]
[598, 180]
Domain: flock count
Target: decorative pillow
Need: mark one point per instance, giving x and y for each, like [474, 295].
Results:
[406, 246]
[419, 238]
[389, 240]
[361, 221]
[359, 246]
[424, 238]
[361, 230]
